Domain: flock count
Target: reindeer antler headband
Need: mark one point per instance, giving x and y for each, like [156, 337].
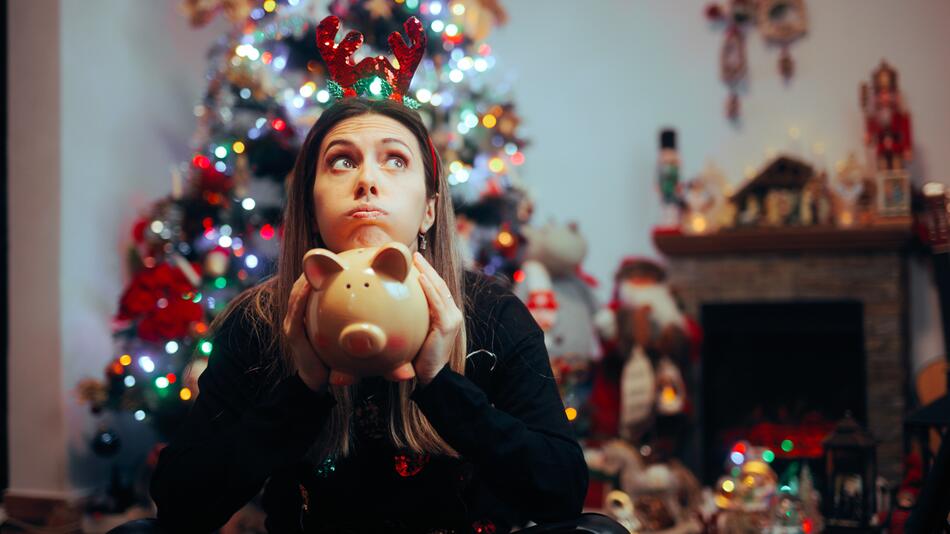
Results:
[373, 77]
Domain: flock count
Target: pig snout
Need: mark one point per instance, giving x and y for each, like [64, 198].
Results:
[362, 339]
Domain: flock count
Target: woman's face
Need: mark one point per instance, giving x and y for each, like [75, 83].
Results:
[370, 185]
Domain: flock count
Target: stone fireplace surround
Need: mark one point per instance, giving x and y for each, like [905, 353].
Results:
[807, 264]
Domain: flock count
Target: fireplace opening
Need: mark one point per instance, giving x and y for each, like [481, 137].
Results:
[779, 374]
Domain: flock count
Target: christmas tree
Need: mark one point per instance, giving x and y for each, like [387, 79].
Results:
[218, 231]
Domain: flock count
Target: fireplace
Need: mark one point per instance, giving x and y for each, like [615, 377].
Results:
[779, 374]
[763, 297]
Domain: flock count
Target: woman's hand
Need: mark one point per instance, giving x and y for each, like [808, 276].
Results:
[445, 322]
[313, 371]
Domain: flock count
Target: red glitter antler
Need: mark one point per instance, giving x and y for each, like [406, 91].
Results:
[339, 58]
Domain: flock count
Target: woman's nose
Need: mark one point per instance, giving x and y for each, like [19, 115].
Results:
[367, 184]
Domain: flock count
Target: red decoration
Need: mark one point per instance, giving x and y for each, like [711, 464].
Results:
[138, 230]
[156, 298]
[410, 464]
[339, 57]
[214, 181]
[483, 527]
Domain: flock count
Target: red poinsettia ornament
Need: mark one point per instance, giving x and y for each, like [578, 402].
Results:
[161, 299]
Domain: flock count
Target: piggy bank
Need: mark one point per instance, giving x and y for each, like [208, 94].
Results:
[367, 314]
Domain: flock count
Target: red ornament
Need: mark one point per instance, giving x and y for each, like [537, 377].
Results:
[714, 12]
[483, 527]
[138, 230]
[339, 57]
[410, 464]
[155, 297]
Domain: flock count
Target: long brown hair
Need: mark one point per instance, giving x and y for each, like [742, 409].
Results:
[266, 304]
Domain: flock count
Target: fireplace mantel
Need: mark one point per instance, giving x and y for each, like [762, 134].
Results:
[895, 237]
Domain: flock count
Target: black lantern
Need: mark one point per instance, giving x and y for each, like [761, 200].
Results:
[851, 473]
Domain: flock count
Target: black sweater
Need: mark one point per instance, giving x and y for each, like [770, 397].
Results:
[519, 458]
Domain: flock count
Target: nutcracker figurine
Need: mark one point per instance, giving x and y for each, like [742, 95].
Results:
[887, 120]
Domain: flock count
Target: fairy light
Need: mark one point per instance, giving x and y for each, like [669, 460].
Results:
[489, 121]
[125, 360]
[496, 165]
[308, 89]
[161, 382]
[238, 147]
[458, 9]
[437, 25]
[456, 75]
[376, 86]
[185, 394]
[139, 415]
[323, 96]
[423, 95]
[129, 381]
[248, 203]
[205, 347]
[250, 261]
[146, 364]
[435, 8]
[171, 347]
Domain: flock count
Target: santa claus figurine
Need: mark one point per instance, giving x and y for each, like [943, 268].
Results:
[648, 344]
[887, 121]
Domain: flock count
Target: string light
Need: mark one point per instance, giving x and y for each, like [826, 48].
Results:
[238, 147]
[171, 347]
[185, 394]
[129, 381]
[206, 347]
[146, 364]
[139, 415]
[248, 203]
[125, 360]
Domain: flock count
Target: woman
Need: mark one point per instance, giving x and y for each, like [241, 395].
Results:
[478, 441]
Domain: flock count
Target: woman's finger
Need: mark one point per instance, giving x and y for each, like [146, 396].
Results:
[436, 302]
[437, 282]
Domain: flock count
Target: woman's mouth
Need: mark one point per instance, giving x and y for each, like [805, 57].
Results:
[366, 214]
[366, 211]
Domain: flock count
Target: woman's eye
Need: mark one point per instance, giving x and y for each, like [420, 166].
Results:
[342, 163]
[396, 162]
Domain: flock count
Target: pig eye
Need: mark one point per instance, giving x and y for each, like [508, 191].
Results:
[347, 286]
[365, 284]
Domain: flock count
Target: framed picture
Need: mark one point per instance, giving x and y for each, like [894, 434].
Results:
[893, 193]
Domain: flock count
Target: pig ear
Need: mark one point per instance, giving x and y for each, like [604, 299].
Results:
[319, 264]
[393, 260]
